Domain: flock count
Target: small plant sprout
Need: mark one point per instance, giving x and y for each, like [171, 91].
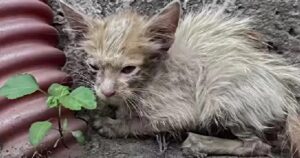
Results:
[58, 96]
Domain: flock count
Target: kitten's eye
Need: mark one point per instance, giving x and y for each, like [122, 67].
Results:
[94, 67]
[128, 69]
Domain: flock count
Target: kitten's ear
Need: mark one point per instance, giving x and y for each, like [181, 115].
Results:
[76, 20]
[164, 24]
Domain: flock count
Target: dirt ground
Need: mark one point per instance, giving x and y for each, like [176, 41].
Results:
[277, 20]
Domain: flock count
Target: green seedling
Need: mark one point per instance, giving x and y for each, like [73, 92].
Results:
[58, 96]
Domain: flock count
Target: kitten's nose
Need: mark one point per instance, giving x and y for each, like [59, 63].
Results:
[108, 93]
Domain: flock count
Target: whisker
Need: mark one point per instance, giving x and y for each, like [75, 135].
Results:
[126, 103]
[130, 103]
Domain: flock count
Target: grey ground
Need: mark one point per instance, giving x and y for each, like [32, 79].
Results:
[277, 20]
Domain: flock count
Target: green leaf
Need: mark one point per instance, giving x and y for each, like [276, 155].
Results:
[78, 135]
[38, 131]
[80, 97]
[19, 86]
[58, 90]
[52, 101]
[70, 103]
[86, 97]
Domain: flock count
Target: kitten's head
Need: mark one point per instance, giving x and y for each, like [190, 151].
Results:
[124, 50]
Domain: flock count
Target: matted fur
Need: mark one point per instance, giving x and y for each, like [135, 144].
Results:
[238, 85]
[213, 73]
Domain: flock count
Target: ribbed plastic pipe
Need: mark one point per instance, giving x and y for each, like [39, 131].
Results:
[28, 45]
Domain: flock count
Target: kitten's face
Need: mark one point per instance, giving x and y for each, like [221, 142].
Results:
[118, 49]
[113, 83]
[124, 49]
[116, 80]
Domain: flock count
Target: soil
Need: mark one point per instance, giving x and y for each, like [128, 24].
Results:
[277, 20]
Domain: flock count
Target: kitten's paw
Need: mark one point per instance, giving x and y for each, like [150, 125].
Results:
[107, 132]
[191, 147]
[258, 148]
[105, 126]
[190, 152]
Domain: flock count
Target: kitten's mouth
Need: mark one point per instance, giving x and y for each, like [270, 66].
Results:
[115, 99]
[104, 98]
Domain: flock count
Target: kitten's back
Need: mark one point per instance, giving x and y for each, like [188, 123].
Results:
[210, 30]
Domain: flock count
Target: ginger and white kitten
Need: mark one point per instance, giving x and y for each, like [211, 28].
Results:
[168, 74]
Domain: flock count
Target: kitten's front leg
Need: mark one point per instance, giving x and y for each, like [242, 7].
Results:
[199, 146]
[113, 128]
[105, 126]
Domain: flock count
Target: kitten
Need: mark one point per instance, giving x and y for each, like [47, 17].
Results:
[168, 74]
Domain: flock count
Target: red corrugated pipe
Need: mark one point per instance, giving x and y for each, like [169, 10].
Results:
[28, 45]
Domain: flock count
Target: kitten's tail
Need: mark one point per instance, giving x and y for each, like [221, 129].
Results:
[293, 118]
[290, 75]
[293, 132]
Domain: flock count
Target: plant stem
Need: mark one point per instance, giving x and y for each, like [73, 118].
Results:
[60, 128]
[45, 93]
